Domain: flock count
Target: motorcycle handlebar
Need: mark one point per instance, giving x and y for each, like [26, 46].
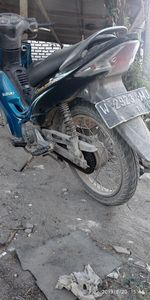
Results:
[12, 27]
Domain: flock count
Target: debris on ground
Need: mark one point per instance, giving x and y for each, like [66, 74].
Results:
[64, 190]
[113, 275]
[41, 167]
[84, 285]
[133, 283]
[140, 263]
[28, 231]
[78, 219]
[130, 242]
[3, 254]
[141, 292]
[122, 250]
[148, 267]
[29, 228]
[130, 259]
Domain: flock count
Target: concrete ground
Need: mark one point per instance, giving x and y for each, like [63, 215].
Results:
[50, 198]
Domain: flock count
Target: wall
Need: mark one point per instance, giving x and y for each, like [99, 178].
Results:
[40, 50]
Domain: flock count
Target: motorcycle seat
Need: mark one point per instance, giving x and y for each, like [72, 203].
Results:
[40, 70]
[46, 69]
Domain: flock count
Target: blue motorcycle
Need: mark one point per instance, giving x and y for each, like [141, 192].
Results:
[74, 106]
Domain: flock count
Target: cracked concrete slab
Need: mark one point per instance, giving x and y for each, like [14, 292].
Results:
[62, 256]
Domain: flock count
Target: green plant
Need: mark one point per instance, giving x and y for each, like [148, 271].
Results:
[134, 79]
[127, 22]
[118, 12]
[113, 9]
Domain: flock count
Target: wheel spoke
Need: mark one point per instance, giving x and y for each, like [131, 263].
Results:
[107, 178]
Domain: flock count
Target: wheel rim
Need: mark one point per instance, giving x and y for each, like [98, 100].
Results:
[106, 180]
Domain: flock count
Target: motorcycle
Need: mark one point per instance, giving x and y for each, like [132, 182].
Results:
[74, 107]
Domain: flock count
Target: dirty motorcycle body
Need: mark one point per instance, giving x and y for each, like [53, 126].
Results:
[74, 106]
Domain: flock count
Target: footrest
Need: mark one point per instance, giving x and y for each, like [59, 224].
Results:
[40, 151]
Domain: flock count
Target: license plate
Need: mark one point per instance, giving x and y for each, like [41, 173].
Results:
[124, 107]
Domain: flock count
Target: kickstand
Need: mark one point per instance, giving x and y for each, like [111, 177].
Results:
[27, 163]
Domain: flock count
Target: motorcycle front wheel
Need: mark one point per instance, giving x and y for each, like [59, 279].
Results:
[115, 177]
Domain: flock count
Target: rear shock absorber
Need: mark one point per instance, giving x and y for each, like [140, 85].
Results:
[71, 129]
[68, 121]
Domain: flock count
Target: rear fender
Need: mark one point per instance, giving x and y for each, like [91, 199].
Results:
[134, 132]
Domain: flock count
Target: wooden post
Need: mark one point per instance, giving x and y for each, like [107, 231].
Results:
[24, 8]
[47, 18]
[146, 64]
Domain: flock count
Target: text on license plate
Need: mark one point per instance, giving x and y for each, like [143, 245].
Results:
[121, 108]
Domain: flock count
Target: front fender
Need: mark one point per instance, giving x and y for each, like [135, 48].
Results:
[134, 132]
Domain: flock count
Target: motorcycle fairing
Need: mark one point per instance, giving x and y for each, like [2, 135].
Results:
[10, 101]
[56, 93]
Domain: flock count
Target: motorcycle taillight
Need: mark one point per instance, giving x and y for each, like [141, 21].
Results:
[124, 57]
[115, 61]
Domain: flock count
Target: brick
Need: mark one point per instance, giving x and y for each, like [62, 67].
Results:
[37, 51]
[41, 49]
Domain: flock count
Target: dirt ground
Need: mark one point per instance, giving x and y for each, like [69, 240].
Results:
[50, 198]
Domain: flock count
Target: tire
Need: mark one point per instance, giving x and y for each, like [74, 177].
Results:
[128, 162]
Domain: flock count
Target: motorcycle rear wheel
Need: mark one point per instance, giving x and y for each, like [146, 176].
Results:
[115, 179]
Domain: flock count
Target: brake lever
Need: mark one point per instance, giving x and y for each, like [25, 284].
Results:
[41, 26]
[45, 29]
